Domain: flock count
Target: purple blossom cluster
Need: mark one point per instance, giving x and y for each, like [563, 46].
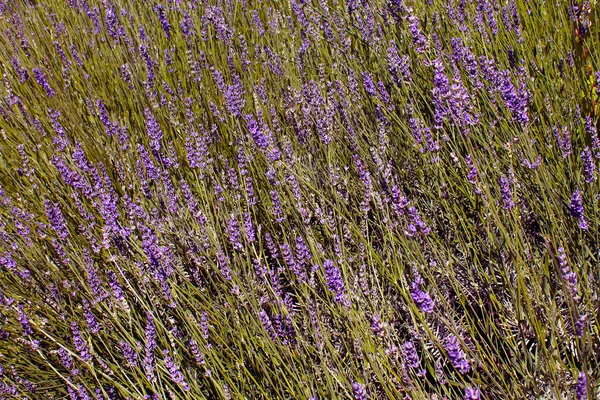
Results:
[335, 283]
[421, 297]
[576, 209]
[411, 358]
[359, 391]
[456, 355]
[581, 387]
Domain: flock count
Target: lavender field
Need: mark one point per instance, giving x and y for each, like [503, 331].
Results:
[299, 199]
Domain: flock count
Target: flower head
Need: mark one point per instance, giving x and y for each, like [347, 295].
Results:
[576, 209]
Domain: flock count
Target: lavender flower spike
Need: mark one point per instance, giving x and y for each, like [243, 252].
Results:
[581, 387]
[359, 391]
[164, 22]
[506, 193]
[80, 345]
[131, 356]
[56, 219]
[576, 209]
[411, 357]
[472, 174]
[456, 355]
[420, 297]
[335, 283]
[149, 363]
[41, 79]
[589, 166]
[174, 371]
[472, 393]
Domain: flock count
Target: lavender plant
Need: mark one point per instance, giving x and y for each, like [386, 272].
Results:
[307, 199]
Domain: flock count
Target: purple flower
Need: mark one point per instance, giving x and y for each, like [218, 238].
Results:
[589, 166]
[257, 23]
[580, 326]
[114, 29]
[82, 393]
[277, 207]
[90, 318]
[506, 193]
[234, 97]
[531, 165]
[126, 76]
[377, 326]
[9, 263]
[72, 393]
[154, 132]
[368, 84]
[472, 174]
[234, 233]
[516, 20]
[472, 393]
[187, 26]
[24, 321]
[67, 361]
[56, 219]
[576, 209]
[359, 391]
[569, 276]
[80, 345]
[456, 355]
[516, 100]
[564, 140]
[420, 297]
[398, 66]
[363, 174]
[412, 358]
[148, 163]
[93, 279]
[267, 324]
[149, 363]
[41, 79]
[440, 93]
[164, 22]
[61, 140]
[104, 118]
[198, 357]
[222, 262]
[284, 329]
[335, 283]
[417, 222]
[197, 150]
[174, 371]
[60, 250]
[76, 56]
[131, 356]
[271, 246]
[62, 55]
[21, 72]
[581, 387]
[249, 228]
[115, 287]
[419, 40]
[399, 201]
[290, 262]
[204, 326]
[302, 251]
[256, 133]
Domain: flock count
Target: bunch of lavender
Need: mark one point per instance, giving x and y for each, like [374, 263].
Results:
[240, 187]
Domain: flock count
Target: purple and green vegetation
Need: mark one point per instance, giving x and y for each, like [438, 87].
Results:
[299, 199]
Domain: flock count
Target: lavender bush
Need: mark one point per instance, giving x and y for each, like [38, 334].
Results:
[303, 199]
